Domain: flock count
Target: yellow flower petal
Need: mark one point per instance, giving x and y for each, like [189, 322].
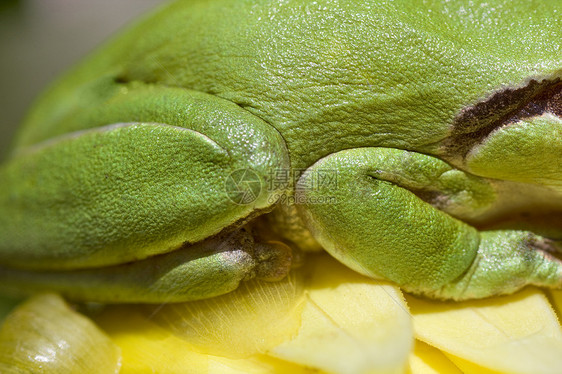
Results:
[44, 335]
[257, 316]
[468, 367]
[147, 348]
[556, 298]
[511, 334]
[258, 364]
[248, 321]
[350, 323]
[426, 359]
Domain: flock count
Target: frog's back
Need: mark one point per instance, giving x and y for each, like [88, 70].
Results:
[328, 75]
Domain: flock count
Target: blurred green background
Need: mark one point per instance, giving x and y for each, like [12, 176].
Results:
[39, 39]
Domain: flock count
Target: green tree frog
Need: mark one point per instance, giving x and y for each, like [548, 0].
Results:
[418, 142]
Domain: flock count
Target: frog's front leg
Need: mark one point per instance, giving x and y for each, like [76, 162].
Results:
[88, 211]
[375, 210]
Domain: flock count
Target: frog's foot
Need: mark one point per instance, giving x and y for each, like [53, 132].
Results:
[210, 268]
[505, 262]
[379, 215]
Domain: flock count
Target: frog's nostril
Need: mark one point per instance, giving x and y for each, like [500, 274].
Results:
[474, 123]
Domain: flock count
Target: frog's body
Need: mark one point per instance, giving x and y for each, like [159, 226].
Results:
[308, 70]
[419, 112]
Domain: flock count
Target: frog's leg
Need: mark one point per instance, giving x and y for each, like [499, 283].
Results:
[209, 268]
[167, 176]
[514, 136]
[375, 210]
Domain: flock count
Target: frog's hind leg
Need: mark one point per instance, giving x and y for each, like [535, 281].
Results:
[151, 169]
[158, 167]
[209, 268]
[378, 215]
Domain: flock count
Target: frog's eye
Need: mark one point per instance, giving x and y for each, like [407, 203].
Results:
[503, 108]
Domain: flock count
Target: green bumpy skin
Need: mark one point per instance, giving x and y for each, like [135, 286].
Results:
[436, 124]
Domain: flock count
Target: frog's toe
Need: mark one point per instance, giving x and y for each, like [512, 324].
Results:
[507, 261]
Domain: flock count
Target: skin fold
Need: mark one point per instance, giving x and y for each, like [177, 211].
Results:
[415, 141]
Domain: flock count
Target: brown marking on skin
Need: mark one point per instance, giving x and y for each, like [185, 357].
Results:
[474, 123]
[274, 260]
[439, 199]
[542, 244]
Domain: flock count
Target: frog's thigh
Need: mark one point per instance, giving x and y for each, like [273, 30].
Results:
[363, 205]
[124, 192]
